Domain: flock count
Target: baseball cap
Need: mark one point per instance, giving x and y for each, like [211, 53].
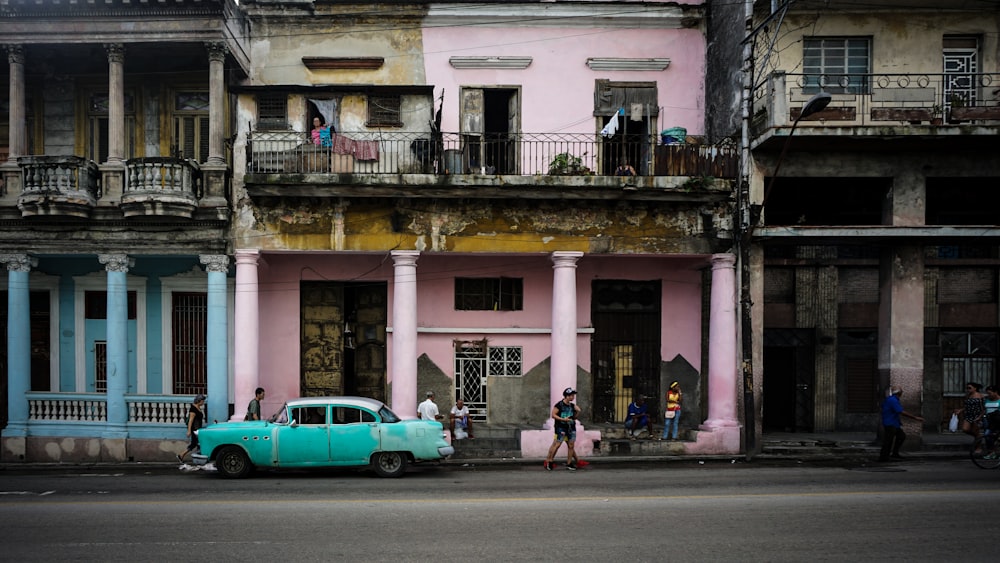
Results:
[198, 398]
[569, 391]
[430, 393]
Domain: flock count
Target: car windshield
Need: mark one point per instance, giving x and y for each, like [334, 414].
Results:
[280, 417]
[387, 415]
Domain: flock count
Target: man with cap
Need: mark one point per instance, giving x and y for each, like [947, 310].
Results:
[428, 410]
[194, 422]
[564, 414]
[892, 430]
[638, 417]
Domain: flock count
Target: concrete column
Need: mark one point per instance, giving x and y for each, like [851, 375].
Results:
[901, 302]
[216, 102]
[116, 102]
[246, 324]
[563, 362]
[722, 361]
[18, 344]
[117, 266]
[17, 134]
[404, 332]
[217, 337]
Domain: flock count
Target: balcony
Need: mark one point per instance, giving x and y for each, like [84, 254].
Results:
[161, 187]
[66, 186]
[282, 163]
[881, 105]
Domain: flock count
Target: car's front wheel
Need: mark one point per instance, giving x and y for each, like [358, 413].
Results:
[389, 464]
[233, 463]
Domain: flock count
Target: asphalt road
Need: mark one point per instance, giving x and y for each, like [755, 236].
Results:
[913, 511]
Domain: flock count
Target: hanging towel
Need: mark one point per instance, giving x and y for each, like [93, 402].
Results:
[612, 127]
[342, 144]
[366, 150]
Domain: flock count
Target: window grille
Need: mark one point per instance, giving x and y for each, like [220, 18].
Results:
[838, 65]
[189, 324]
[505, 361]
[384, 111]
[272, 112]
[489, 294]
[100, 366]
[968, 356]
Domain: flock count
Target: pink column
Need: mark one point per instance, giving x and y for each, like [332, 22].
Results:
[563, 362]
[404, 333]
[246, 321]
[722, 364]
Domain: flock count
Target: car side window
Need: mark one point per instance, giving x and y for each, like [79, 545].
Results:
[367, 416]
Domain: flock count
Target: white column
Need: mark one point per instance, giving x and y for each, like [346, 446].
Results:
[246, 325]
[116, 102]
[563, 363]
[404, 333]
[17, 133]
[216, 102]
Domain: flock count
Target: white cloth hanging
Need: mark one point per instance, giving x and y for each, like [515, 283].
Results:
[612, 127]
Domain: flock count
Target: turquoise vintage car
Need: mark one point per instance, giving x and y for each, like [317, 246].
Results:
[323, 432]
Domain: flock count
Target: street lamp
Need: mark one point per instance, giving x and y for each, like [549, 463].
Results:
[815, 104]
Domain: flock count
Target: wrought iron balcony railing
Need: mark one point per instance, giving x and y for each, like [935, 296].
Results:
[880, 99]
[520, 154]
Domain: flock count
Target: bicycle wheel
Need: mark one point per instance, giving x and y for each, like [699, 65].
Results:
[983, 456]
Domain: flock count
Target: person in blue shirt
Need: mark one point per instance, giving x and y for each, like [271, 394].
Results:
[638, 417]
[892, 431]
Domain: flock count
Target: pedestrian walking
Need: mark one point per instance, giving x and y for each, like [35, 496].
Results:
[194, 421]
[564, 414]
[892, 431]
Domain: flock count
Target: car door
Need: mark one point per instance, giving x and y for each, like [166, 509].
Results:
[306, 439]
[354, 435]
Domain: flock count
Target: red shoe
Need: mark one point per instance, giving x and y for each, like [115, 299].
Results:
[581, 464]
[547, 465]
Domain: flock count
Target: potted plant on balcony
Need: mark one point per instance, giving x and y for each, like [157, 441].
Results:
[937, 115]
[566, 164]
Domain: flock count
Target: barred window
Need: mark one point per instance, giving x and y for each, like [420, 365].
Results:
[505, 361]
[384, 111]
[968, 356]
[489, 294]
[838, 65]
[272, 111]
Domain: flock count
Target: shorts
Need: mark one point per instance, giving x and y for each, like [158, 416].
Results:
[565, 434]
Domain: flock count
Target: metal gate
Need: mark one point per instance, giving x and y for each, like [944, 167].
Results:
[625, 350]
[470, 376]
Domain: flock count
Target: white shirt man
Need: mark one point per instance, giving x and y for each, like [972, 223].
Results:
[428, 410]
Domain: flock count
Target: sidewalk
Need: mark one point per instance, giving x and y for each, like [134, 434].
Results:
[819, 447]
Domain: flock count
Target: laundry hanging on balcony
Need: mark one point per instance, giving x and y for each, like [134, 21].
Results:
[612, 127]
[360, 150]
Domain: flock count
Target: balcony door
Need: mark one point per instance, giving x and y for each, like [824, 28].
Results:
[490, 119]
[961, 63]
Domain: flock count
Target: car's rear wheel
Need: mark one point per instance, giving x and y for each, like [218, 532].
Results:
[233, 463]
[389, 464]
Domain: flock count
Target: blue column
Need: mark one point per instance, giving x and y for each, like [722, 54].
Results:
[218, 338]
[18, 342]
[117, 266]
